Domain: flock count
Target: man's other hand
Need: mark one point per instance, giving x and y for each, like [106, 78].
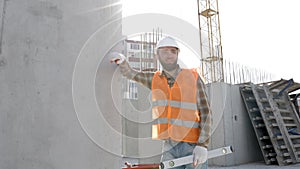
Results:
[199, 155]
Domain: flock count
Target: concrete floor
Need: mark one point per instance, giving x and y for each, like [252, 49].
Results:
[258, 165]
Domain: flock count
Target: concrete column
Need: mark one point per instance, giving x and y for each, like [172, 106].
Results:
[40, 41]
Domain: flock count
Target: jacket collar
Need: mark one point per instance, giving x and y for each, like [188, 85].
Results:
[164, 73]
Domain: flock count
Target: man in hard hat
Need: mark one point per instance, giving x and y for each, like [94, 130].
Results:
[180, 109]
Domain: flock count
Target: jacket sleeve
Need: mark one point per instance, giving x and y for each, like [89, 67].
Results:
[205, 114]
[140, 77]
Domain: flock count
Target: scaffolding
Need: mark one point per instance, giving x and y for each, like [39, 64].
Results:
[210, 40]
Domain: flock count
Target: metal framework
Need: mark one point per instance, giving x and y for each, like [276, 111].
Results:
[210, 40]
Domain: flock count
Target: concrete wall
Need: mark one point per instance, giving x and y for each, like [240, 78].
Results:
[232, 126]
[138, 144]
[40, 41]
[149, 150]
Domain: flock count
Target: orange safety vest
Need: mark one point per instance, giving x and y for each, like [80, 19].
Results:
[174, 110]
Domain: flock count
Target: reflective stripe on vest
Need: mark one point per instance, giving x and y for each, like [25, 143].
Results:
[160, 103]
[189, 124]
[183, 105]
[174, 109]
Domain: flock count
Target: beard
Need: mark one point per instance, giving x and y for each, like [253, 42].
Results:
[169, 66]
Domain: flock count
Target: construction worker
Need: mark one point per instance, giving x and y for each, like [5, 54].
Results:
[180, 110]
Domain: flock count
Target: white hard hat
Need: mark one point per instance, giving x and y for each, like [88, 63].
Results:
[167, 42]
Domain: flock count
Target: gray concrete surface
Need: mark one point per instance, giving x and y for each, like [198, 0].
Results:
[231, 126]
[257, 165]
[137, 125]
[40, 42]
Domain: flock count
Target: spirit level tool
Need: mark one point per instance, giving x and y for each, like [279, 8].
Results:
[189, 159]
